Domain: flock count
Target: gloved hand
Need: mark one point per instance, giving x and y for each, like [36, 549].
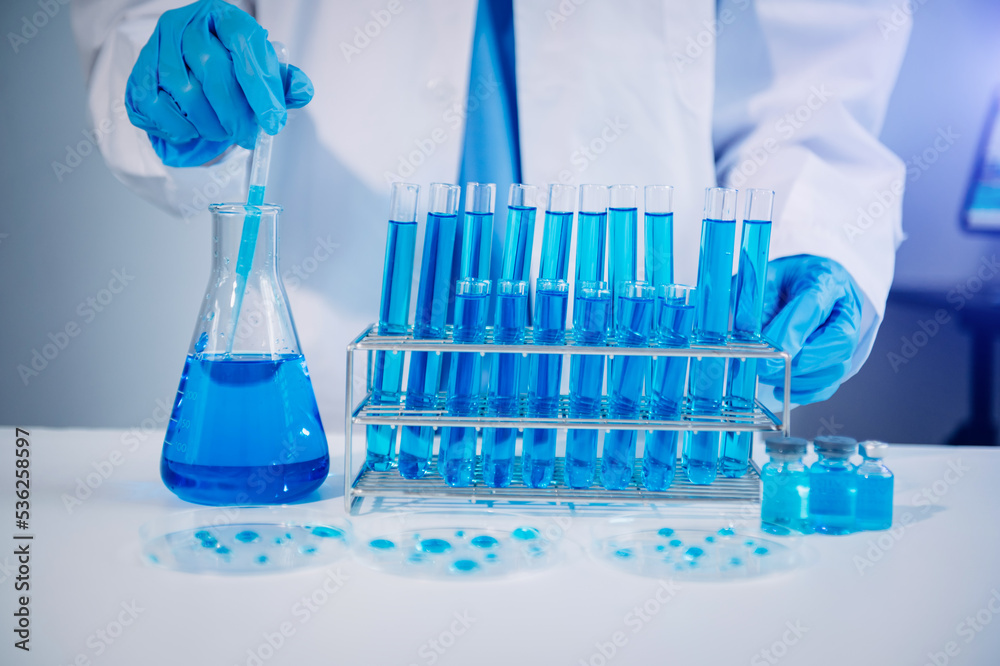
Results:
[812, 310]
[206, 79]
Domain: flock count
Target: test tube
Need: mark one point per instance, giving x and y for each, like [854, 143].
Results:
[394, 308]
[748, 321]
[424, 379]
[504, 393]
[591, 233]
[457, 456]
[477, 231]
[556, 232]
[672, 328]
[659, 229]
[623, 232]
[519, 237]
[544, 374]
[633, 328]
[591, 322]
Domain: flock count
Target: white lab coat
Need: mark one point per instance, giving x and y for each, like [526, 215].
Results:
[607, 92]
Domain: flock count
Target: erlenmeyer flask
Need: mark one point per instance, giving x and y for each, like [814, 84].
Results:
[245, 428]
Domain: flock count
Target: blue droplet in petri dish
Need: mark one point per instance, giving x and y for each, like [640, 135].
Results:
[676, 543]
[262, 559]
[693, 553]
[381, 544]
[326, 532]
[660, 548]
[465, 566]
[247, 536]
[203, 534]
[666, 532]
[761, 550]
[727, 531]
[491, 557]
[460, 533]
[209, 542]
[417, 558]
[710, 539]
[623, 553]
[435, 546]
[484, 541]
[735, 561]
[525, 533]
[749, 542]
[221, 550]
[307, 550]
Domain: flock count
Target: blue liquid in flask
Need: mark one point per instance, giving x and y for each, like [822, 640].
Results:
[244, 429]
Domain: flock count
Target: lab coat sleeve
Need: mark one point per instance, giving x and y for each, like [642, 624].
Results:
[802, 90]
[109, 35]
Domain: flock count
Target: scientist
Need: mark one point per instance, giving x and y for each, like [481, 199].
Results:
[788, 96]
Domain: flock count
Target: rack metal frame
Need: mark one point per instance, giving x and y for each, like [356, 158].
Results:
[369, 483]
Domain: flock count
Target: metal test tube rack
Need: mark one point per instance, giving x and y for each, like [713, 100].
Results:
[359, 484]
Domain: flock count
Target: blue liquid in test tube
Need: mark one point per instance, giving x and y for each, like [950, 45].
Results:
[397, 276]
[748, 317]
[633, 328]
[544, 375]
[591, 233]
[715, 276]
[672, 328]
[623, 235]
[659, 230]
[556, 233]
[591, 321]
[504, 393]
[519, 237]
[424, 379]
[477, 231]
[457, 456]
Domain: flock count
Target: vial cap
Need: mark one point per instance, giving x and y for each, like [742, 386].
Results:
[786, 445]
[832, 444]
[874, 449]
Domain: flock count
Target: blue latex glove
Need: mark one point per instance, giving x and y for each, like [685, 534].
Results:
[206, 79]
[812, 310]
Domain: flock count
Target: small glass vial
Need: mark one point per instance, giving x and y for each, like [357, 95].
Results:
[784, 508]
[832, 485]
[874, 483]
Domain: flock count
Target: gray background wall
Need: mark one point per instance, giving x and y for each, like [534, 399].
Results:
[63, 235]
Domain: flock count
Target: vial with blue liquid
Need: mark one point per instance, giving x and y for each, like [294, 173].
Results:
[784, 507]
[519, 235]
[477, 231]
[633, 328]
[659, 231]
[672, 328]
[874, 488]
[557, 231]
[245, 427]
[544, 377]
[591, 321]
[503, 397]
[833, 486]
[393, 318]
[423, 382]
[623, 239]
[591, 233]
[457, 455]
[748, 321]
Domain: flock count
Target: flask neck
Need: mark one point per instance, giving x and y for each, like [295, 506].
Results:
[233, 232]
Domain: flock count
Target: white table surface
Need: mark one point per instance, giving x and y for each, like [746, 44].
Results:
[909, 607]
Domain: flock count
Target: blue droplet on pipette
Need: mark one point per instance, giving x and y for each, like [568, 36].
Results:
[381, 544]
[484, 541]
[247, 536]
[327, 532]
[665, 532]
[435, 546]
[525, 533]
[465, 566]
